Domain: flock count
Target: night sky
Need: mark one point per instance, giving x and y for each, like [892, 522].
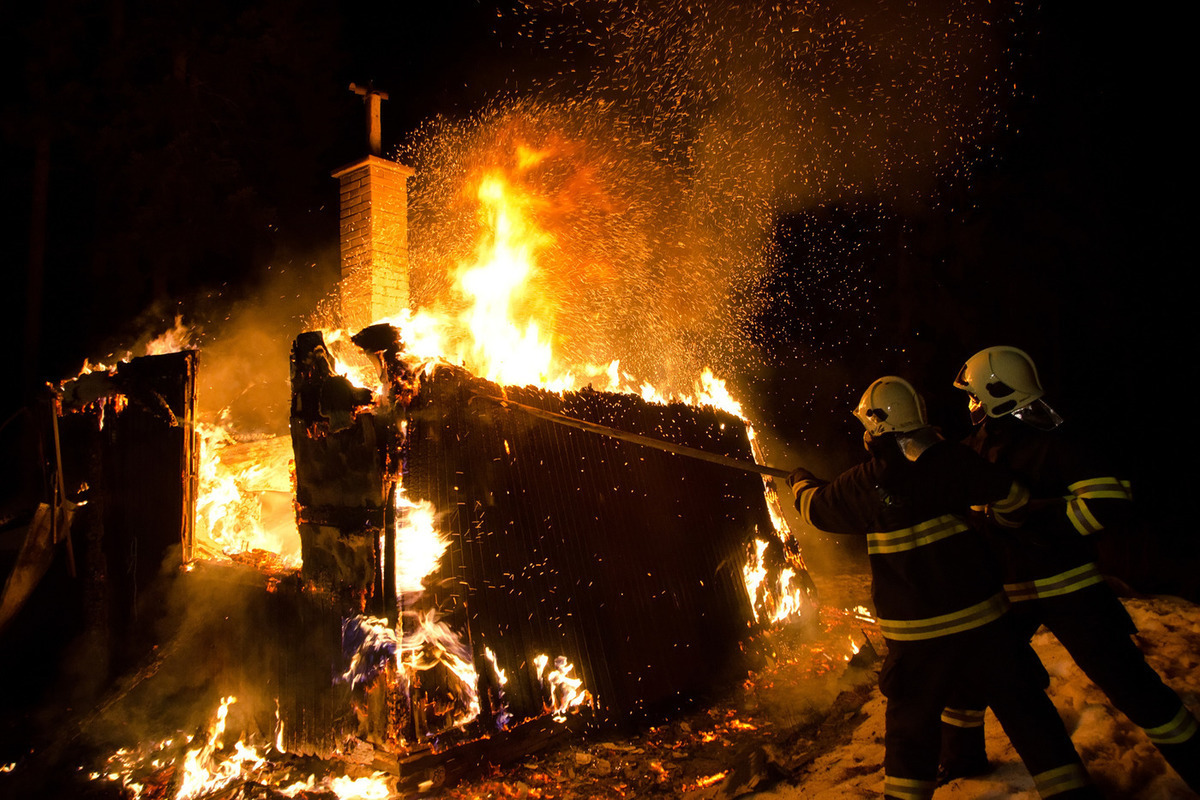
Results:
[187, 149]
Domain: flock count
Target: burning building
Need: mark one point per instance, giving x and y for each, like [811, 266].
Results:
[459, 559]
[547, 541]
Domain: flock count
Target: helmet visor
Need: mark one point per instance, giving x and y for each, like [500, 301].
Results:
[977, 408]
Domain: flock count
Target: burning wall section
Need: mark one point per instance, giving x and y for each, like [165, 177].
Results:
[127, 456]
[625, 559]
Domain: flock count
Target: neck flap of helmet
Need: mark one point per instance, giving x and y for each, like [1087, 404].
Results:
[914, 443]
[1039, 415]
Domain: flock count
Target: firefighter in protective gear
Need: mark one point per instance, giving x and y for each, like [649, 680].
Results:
[1050, 574]
[890, 405]
[1000, 381]
[937, 594]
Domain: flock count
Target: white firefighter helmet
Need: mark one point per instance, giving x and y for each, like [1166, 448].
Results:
[891, 405]
[999, 380]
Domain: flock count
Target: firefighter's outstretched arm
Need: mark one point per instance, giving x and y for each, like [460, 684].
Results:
[1095, 504]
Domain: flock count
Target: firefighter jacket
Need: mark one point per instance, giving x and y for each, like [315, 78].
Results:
[1072, 499]
[932, 573]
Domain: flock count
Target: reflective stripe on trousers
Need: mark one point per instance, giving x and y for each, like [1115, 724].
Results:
[908, 788]
[963, 717]
[1181, 728]
[1061, 779]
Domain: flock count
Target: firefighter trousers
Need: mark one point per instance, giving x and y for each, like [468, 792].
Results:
[1093, 626]
[918, 679]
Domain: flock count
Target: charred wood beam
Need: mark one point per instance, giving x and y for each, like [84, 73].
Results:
[428, 769]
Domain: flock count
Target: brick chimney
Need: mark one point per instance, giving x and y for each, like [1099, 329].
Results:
[374, 229]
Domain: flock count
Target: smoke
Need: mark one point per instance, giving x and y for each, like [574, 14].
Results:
[217, 634]
[244, 337]
[246, 353]
[673, 139]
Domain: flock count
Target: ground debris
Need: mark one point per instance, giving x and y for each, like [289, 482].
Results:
[805, 700]
[799, 698]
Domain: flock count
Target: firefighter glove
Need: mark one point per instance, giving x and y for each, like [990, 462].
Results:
[797, 475]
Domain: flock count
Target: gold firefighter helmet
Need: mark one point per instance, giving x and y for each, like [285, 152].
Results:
[999, 380]
[891, 405]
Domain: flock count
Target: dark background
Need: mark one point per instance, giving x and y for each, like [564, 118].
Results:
[182, 153]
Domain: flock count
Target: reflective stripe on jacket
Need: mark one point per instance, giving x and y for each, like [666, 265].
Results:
[1080, 514]
[932, 574]
[965, 619]
[1071, 580]
[1074, 497]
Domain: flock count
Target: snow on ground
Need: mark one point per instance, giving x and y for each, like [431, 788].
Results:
[1121, 760]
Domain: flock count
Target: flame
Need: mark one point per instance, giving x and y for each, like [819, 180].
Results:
[350, 362]
[344, 787]
[178, 337]
[500, 322]
[501, 327]
[431, 643]
[373, 788]
[504, 348]
[425, 640]
[243, 505]
[418, 544]
[502, 715]
[711, 391]
[501, 331]
[175, 339]
[778, 602]
[203, 772]
[211, 769]
[374, 643]
[710, 780]
[862, 614]
[561, 688]
[422, 641]
[754, 572]
[278, 728]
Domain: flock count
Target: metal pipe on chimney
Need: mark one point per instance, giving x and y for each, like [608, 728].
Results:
[371, 99]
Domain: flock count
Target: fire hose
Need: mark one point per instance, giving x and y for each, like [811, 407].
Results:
[637, 438]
